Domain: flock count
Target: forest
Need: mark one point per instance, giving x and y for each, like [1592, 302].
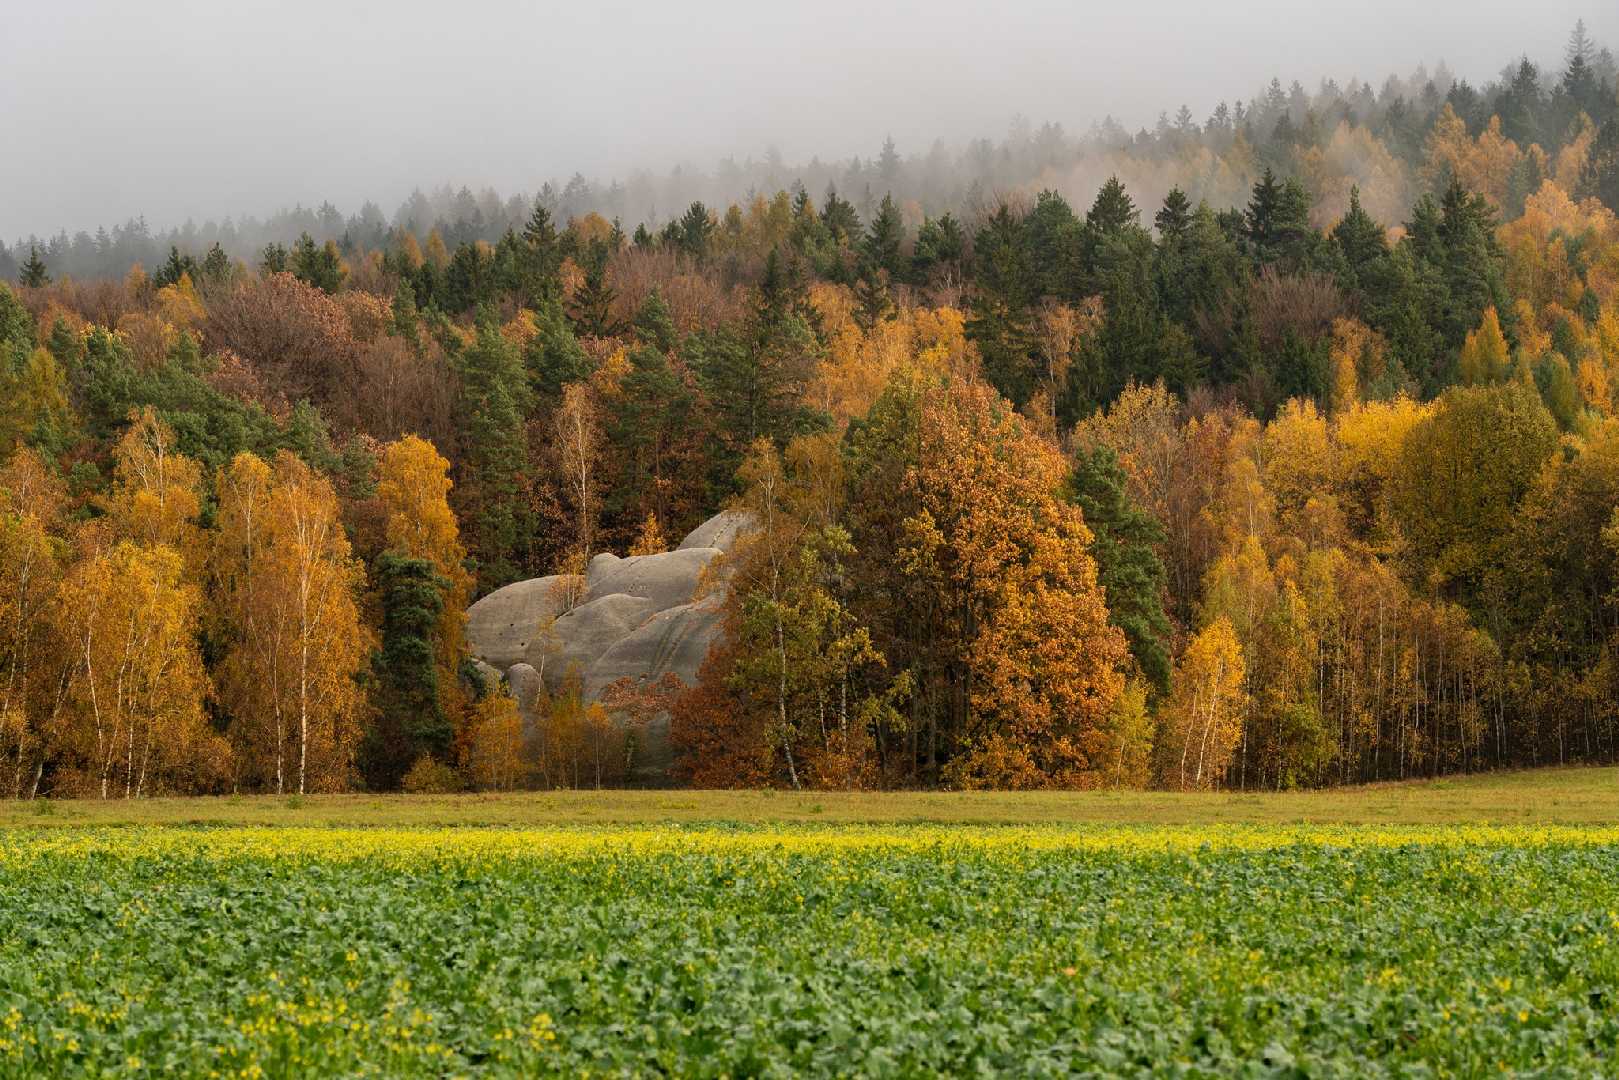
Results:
[1277, 450]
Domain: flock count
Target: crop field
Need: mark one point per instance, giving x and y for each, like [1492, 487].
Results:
[794, 949]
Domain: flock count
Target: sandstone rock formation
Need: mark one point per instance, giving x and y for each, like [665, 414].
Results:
[633, 621]
[502, 624]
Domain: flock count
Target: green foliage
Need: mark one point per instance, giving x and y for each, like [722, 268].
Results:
[884, 236]
[1463, 474]
[33, 273]
[553, 356]
[208, 425]
[494, 400]
[1277, 223]
[174, 269]
[410, 720]
[1127, 563]
[316, 264]
[1318, 952]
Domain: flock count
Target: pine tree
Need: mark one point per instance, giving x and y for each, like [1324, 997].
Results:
[695, 229]
[1127, 563]
[1361, 239]
[494, 403]
[216, 264]
[273, 259]
[1113, 211]
[553, 355]
[1175, 217]
[410, 720]
[838, 217]
[881, 246]
[541, 257]
[593, 303]
[33, 273]
[317, 265]
[655, 325]
[176, 267]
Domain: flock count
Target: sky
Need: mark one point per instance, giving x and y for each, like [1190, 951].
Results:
[191, 109]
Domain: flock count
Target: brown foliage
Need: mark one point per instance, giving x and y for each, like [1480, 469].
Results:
[297, 337]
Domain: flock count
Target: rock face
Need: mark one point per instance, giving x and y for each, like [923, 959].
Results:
[637, 620]
[501, 625]
[720, 531]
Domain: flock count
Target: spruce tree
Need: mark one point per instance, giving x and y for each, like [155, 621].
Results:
[553, 357]
[1600, 178]
[493, 404]
[410, 718]
[541, 258]
[696, 227]
[838, 217]
[881, 247]
[1127, 563]
[34, 274]
[1113, 209]
[1175, 217]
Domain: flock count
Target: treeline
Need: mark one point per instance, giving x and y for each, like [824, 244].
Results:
[1333, 137]
[1229, 495]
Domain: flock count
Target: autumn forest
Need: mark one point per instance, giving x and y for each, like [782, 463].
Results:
[1269, 450]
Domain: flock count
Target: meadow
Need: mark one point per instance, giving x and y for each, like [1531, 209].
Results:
[777, 935]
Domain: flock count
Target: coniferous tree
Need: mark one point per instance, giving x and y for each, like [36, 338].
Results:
[1175, 217]
[696, 227]
[174, 269]
[1113, 209]
[541, 257]
[1600, 177]
[593, 303]
[881, 247]
[216, 264]
[1127, 564]
[273, 259]
[553, 356]
[410, 719]
[315, 264]
[494, 402]
[839, 218]
[34, 274]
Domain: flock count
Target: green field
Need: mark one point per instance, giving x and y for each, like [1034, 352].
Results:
[833, 946]
[1582, 796]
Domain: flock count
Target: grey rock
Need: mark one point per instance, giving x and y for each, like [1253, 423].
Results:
[491, 674]
[501, 625]
[525, 684]
[674, 641]
[587, 631]
[636, 619]
[667, 580]
[720, 531]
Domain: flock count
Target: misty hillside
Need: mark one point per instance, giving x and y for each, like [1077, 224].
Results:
[1390, 136]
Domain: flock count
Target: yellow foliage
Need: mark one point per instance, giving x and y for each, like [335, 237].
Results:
[1485, 358]
[495, 759]
[1204, 718]
[157, 493]
[179, 304]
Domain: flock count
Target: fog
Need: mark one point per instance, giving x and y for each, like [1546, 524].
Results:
[199, 110]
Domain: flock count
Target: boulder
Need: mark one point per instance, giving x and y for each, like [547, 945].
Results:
[525, 685]
[720, 531]
[674, 641]
[667, 579]
[501, 626]
[635, 619]
[601, 565]
[583, 634]
[490, 674]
